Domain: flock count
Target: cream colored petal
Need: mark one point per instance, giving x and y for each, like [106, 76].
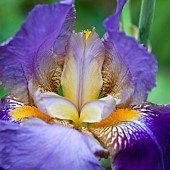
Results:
[57, 106]
[97, 110]
[81, 79]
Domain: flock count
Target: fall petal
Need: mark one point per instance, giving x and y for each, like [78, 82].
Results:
[46, 147]
[152, 150]
[142, 143]
[157, 118]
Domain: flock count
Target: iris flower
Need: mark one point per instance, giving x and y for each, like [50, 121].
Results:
[76, 98]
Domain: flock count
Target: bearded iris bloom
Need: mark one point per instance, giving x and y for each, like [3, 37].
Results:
[79, 97]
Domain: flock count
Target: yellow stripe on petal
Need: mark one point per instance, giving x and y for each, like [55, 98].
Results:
[28, 111]
[118, 116]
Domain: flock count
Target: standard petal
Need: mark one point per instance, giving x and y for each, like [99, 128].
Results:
[141, 64]
[34, 50]
[142, 144]
[47, 147]
[81, 79]
[117, 79]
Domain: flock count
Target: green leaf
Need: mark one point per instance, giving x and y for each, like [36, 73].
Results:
[145, 21]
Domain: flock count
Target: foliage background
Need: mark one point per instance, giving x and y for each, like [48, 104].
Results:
[90, 14]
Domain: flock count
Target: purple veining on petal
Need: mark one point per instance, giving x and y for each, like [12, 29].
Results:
[143, 144]
[4, 110]
[7, 104]
[45, 147]
[157, 119]
[136, 149]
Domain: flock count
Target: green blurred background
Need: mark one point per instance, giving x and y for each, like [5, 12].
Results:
[90, 14]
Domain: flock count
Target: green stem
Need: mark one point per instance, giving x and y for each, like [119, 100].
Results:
[126, 18]
[145, 21]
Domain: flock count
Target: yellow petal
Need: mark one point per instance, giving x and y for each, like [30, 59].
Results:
[81, 79]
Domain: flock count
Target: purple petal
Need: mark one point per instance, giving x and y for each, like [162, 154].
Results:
[45, 32]
[117, 78]
[144, 144]
[142, 65]
[157, 119]
[137, 148]
[4, 111]
[46, 147]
